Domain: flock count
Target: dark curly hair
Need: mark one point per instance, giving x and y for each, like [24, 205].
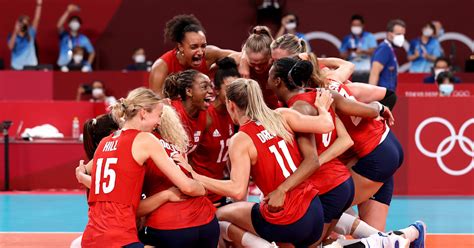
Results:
[179, 25]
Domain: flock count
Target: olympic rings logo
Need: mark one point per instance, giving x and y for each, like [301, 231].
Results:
[447, 145]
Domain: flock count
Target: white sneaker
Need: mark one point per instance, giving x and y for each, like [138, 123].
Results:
[383, 240]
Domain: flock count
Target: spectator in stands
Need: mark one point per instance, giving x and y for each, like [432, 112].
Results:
[441, 64]
[424, 50]
[358, 47]
[139, 61]
[289, 25]
[78, 63]
[439, 30]
[72, 38]
[384, 71]
[97, 92]
[445, 83]
[22, 41]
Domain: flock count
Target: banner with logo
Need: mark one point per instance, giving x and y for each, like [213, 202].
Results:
[437, 135]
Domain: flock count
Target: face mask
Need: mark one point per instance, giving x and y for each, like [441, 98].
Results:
[356, 30]
[437, 72]
[139, 58]
[74, 25]
[440, 32]
[427, 32]
[290, 26]
[398, 40]
[97, 92]
[446, 89]
[77, 58]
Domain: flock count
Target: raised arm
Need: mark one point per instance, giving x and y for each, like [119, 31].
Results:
[340, 145]
[37, 16]
[367, 93]
[12, 40]
[236, 186]
[321, 123]
[70, 8]
[341, 69]
[158, 74]
[147, 146]
[214, 53]
[355, 108]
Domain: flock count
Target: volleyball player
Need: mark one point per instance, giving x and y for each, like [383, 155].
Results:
[265, 148]
[117, 172]
[191, 51]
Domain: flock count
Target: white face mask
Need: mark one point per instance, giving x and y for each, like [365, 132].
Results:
[290, 26]
[356, 30]
[440, 32]
[74, 25]
[446, 89]
[398, 40]
[140, 58]
[427, 32]
[77, 58]
[437, 72]
[97, 92]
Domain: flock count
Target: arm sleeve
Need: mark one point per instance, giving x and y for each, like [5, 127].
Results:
[412, 48]
[371, 42]
[382, 55]
[344, 45]
[87, 44]
[436, 49]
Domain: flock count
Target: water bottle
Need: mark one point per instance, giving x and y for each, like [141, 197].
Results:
[75, 128]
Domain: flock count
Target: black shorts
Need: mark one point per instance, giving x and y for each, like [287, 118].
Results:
[193, 237]
[134, 245]
[302, 233]
[382, 162]
[337, 200]
[385, 193]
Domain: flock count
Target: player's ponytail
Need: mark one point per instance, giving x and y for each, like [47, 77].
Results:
[247, 95]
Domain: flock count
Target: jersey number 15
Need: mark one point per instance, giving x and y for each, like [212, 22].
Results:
[108, 173]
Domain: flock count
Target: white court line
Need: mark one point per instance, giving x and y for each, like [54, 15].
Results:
[43, 232]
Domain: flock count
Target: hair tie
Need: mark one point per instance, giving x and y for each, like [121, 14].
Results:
[94, 121]
[122, 101]
[290, 78]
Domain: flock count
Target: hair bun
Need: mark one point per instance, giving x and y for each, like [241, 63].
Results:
[261, 30]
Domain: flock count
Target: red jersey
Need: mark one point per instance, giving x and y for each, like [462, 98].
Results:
[277, 160]
[117, 181]
[174, 66]
[367, 133]
[269, 96]
[334, 172]
[194, 126]
[195, 211]
[210, 157]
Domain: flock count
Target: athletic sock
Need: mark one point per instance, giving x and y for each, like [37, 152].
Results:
[363, 230]
[411, 233]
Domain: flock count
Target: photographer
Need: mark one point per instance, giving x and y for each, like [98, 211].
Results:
[289, 25]
[96, 92]
[22, 41]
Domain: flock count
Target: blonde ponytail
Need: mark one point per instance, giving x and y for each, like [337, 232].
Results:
[247, 95]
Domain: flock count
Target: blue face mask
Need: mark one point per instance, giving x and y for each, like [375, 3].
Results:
[446, 89]
[440, 32]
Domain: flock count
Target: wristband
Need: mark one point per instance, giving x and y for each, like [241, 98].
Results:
[381, 108]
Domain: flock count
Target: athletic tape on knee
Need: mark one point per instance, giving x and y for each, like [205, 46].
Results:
[224, 227]
[344, 224]
[250, 240]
